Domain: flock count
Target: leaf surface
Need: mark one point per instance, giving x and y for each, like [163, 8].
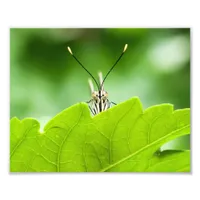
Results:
[122, 139]
[170, 161]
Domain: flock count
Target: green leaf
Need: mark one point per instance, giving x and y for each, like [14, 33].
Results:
[170, 161]
[122, 139]
[24, 143]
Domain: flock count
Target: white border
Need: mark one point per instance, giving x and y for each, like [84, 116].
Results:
[98, 14]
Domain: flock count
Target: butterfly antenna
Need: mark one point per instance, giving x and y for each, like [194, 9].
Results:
[125, 47]
[70, 51]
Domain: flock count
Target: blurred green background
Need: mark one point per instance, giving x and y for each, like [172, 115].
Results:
[45, 79]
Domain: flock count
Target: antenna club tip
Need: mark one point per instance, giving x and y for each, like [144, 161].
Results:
[100, 74]
[70, 51]
[125, 47]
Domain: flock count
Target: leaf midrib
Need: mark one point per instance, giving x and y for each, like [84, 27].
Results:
[143, 148]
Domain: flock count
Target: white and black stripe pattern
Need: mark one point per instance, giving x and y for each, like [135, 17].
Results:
[99, 101]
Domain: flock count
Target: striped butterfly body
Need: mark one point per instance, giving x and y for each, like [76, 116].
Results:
[99, 101]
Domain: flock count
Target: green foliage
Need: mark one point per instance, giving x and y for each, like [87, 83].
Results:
[171, 161]
[123, 139]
